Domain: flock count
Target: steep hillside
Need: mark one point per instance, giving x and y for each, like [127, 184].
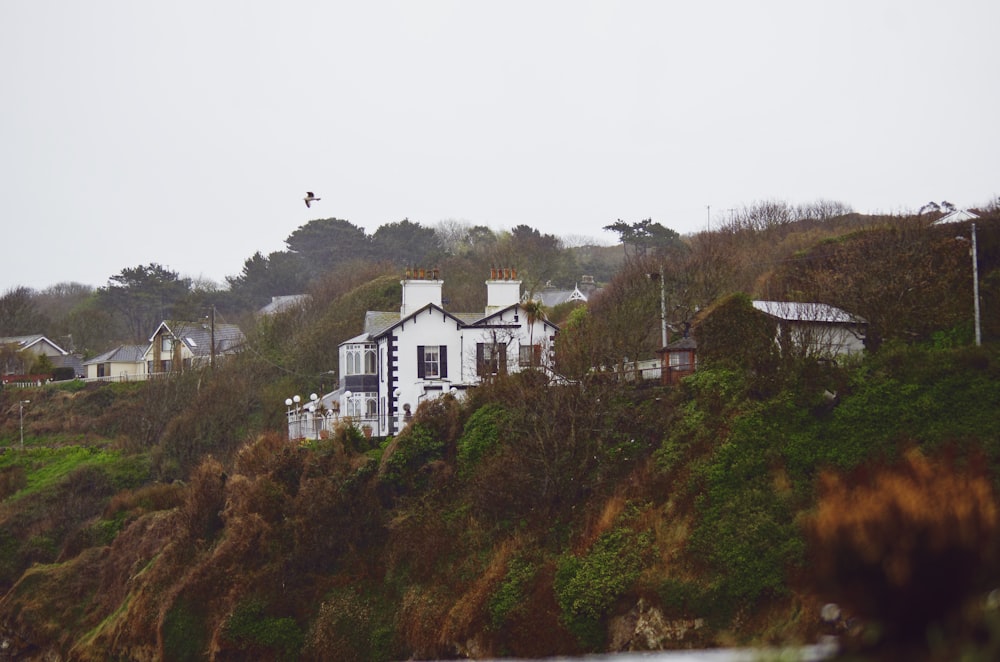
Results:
[173, 520]
[531, 520]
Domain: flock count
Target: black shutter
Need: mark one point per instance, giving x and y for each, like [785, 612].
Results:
[443, 359]
[421, 366]
[480, 359]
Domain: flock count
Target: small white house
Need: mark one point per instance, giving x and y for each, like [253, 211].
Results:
[826, 330]
[423, 352]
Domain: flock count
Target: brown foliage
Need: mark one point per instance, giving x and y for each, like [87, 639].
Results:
[901, 276]
[905, 545]
[201, 513]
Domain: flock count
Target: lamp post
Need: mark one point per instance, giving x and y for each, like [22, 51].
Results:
[20, 408]
[292, 407]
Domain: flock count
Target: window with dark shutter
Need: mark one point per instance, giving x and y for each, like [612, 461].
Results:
[429, 361]
[443, 358]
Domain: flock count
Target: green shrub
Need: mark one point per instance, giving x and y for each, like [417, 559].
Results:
[509, 597]
[745, 528]
[251, 630]
[185, 632]
[414, 448]
[481, 435]
[587, 587]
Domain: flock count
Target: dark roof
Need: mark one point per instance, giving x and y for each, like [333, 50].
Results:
[197, 336]
[23, 342]
[74, 361]
[120, 354]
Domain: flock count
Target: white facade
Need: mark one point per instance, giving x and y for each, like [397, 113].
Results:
[425, 352]
[826, 330]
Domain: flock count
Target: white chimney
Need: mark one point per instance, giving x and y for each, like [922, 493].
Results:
[503, 289]
[420, 287]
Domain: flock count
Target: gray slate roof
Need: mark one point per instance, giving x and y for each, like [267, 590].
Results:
[280, 304]
[197, 336]
[120, 354]
[24, 342]
[794, 311]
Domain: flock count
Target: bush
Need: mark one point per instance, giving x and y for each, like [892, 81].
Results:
[413, 448]
[509, 597]
[587, 587]
[481, 435]
[907, 546]
[251, 630]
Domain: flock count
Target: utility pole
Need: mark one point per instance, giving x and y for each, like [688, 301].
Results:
[975, 286]
[211, 359]
[663, 308]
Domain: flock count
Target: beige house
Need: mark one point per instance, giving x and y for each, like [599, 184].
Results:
[123, 363]
[177, 346]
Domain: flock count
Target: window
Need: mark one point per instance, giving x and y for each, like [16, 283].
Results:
[359, 360]
[432, 361]
[491, 359]
[361, 406]
[166, 344]
[530, 356]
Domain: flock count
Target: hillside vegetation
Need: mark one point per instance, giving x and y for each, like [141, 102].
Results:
[173, 519]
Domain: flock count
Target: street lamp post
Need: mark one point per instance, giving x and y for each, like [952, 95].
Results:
[20, 407]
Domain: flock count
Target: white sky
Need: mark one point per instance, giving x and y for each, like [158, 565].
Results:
[186, 133]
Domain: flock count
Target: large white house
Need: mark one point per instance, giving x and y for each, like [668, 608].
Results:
[423, 352]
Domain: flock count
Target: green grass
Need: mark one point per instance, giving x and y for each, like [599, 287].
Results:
[46, 467]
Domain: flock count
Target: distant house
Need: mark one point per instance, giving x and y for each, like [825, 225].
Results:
[14, 348]
[551, 296]
[957, 216]
[178, 346]
[122, 363]
[823, 329]
[424, 352]
[280, 304]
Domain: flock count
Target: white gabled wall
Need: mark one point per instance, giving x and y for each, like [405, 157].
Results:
[430, 328]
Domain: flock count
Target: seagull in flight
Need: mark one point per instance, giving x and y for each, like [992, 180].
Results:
[310, 198]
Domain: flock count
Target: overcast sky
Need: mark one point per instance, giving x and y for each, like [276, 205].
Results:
[186, 133]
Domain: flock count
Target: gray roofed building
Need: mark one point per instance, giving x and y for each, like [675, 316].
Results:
[122, 353]
[284, 303]
[36, 342]
[806, 312]
[551, 296]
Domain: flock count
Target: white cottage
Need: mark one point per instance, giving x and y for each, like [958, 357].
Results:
[826, 330]
[424, 351]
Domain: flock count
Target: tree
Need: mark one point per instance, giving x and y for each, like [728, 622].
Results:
[263, 277]
[405, 242]
[626, 317]
[144, 296]
[19, 313]
[326, 242]
[645, 236]
[538, 257]
[901, 277]
[533, 312]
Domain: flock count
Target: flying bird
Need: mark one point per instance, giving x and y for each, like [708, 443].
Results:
[310, 198]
